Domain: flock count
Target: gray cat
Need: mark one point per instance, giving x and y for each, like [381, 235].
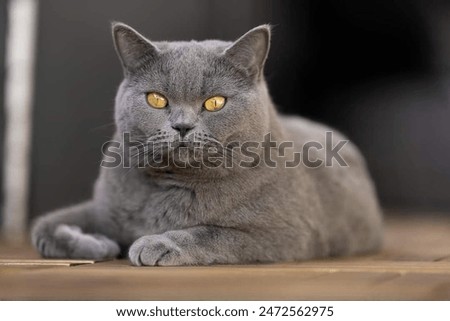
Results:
[251, 211]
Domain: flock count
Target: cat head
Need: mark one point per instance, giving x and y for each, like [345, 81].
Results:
[179, 89]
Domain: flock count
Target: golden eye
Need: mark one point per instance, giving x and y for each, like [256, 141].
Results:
[156, 100]
[214, 103]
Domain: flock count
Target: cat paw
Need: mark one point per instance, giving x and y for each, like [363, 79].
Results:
[68, 241]
[159, 250]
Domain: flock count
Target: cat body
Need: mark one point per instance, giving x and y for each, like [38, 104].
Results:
[204, 215]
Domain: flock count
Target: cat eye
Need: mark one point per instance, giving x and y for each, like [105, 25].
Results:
[156, 100]
[214, 103]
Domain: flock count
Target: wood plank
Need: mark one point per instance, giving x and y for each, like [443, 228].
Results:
[187, 284]
[117, 280]
[42, 262]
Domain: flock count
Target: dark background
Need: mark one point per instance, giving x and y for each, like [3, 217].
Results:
[376, 70]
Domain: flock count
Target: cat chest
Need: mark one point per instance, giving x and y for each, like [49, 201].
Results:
[159, 211]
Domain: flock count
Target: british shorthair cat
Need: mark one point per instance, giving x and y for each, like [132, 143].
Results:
[227, 179]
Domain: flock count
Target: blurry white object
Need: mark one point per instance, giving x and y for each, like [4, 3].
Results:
[19, 88]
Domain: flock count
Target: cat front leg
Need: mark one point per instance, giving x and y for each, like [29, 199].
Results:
[201, 245]
[71, 233]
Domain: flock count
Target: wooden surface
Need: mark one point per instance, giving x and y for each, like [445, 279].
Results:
[42, 262]
[413, 265]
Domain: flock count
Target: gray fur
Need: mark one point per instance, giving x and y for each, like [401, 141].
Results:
[196, 216]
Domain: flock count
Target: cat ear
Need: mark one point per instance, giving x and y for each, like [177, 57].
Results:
[132, 48]
[250, 51]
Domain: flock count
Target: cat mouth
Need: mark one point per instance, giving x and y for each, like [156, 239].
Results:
[171, 155]
[176, 144]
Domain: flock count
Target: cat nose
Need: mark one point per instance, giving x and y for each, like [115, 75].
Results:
[183, 128]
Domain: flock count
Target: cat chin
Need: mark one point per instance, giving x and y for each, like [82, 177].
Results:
[181, 176]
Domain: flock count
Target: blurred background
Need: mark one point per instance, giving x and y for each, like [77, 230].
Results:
[379, 71]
